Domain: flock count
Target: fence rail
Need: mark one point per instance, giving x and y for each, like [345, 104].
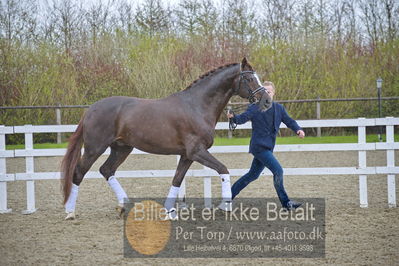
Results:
[361, 169]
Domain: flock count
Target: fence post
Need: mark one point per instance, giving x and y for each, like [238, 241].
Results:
[3, 171]
[207, 191]
[30, 169]
[391, 163]
[58, 116]
[362, 165]
[318, 116]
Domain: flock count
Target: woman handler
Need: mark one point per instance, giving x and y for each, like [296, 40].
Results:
[265, 126]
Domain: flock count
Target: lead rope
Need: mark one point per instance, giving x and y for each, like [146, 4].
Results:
[232, 125]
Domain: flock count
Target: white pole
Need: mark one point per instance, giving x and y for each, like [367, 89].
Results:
[3, 198]
[318, 116]
[30, 169]
[3, 171]
[391, 163]
[207, 190]
[362, 165]
[58, 118]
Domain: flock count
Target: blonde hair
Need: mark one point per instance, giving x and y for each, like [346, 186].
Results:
[269, 83]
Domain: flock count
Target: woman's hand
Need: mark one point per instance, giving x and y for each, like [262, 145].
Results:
[229, 115]
[300, 134]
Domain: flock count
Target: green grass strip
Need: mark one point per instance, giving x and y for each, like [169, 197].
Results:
[243, 141]
[306, 140]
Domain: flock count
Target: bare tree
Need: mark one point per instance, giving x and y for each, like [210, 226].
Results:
[153, 18]
[341, 19]
[208, 18]
[17, 20]
[188, 16]
[66, 18]
[98, 19]
[352, 28]
[278, 20]
[322, 17]
[239, 22]
[371, 12]
[391, 8]
[125, 17]
[196, 17]
[307, 17]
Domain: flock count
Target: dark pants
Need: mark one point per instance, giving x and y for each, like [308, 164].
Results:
[260, 161]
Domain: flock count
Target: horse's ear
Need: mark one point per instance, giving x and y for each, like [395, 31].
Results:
[245, 64]
[244, 61]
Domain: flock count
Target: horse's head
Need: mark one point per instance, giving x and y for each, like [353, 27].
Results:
[247, 85]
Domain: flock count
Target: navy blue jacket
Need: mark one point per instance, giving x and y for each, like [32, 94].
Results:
[263, 133]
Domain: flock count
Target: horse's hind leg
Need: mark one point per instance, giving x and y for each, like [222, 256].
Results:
[86, 162]
[90, 155]
[117, 157]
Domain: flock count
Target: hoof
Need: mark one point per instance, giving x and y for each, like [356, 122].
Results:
[226, 206]
[171, 215]
[70, 216]
[121, 211]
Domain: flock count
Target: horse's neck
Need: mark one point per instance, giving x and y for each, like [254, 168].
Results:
[212, 93]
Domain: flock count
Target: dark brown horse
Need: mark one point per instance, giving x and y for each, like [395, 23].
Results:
[182, 124]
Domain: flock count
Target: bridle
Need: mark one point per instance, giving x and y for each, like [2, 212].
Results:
[251, 93]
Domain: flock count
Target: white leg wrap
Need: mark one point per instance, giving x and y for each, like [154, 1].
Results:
[73, 196]
[226, 188]
[117, 188]
[171, 199]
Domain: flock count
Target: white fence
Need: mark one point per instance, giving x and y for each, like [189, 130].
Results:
[362, 170]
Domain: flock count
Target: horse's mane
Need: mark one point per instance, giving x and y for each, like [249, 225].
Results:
[209, 73]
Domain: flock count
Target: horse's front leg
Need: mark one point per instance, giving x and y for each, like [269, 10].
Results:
[205, 158]
[182, 167]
